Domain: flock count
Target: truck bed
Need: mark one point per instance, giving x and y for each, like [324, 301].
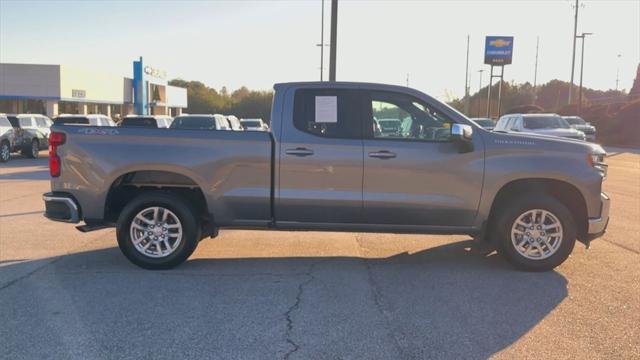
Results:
[232, 169]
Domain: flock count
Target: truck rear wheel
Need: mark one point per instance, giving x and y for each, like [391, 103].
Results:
[535, 232]
[157, 230]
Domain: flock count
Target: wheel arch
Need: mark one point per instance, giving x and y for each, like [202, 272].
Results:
[133, 182]
[565, 192]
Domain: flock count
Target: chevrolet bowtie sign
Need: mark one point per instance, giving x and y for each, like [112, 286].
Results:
[498, 50]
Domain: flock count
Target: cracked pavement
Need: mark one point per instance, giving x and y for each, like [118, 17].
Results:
[309, 295]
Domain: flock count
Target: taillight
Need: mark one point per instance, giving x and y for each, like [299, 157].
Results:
[55, 139]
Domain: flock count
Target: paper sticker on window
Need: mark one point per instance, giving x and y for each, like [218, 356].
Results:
[326, 109]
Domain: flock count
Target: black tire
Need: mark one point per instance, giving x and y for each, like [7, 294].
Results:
[32, 150]
[509, 213]
[5, 151]
[177, 205]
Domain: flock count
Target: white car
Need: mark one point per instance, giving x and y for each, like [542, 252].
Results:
[234, 123]
[147, 121]
[36, 122]
[200, 122]
[91, 119]
[7, 138]
[254, 124]
[541, 124]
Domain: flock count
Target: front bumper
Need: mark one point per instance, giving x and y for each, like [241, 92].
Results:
[61, 207]
[598, 226]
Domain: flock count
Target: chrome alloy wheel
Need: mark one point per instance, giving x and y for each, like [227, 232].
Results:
[536, 234]
[5, 152]
[156, 232]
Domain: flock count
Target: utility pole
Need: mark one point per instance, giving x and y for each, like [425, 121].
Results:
[573, 58]
[466, 82]
[583, 37]
[334, 40]
[535, 71]
[321, 41]
[479, 88]
[407, 79]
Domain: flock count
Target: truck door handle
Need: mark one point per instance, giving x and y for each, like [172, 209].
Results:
[300, 151]
[383, 154]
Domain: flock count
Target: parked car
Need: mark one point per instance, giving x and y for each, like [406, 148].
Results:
[7, 138]
[323, 168]
[200, 122]
[234, 123]
[77, 119]
[578, 123]
[31, 133]
[152, 121]
[540, 124]
[254, 125]
[487, 124]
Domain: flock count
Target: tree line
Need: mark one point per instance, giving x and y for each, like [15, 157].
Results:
[243, 103]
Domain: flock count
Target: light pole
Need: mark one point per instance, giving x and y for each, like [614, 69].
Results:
[466, 82]
[618, 72]
[573, 58]
[322, 44]
[479, 88]
[334, 40]
[583, 37]
[535, 69]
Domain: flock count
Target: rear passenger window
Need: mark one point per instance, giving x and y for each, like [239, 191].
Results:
[25, 122]
[41, 123]
[327, 113]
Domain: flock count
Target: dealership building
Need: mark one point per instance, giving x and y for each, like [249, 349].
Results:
[58, 89]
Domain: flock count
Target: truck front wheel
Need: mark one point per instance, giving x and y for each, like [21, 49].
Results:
[157, 230]
[535, 232]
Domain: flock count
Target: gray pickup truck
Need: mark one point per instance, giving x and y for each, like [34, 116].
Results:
[326, 165]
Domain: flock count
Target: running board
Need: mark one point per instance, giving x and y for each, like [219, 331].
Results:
[88, 228]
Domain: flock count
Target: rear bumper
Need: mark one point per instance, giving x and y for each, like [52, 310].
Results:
[598, 226]
[61, 207]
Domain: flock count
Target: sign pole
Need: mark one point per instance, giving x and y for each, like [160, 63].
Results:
[500, 92]
[489, 94]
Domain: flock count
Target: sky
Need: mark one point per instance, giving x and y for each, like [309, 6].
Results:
[259, 43]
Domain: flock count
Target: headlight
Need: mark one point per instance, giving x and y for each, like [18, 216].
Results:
[597, 162]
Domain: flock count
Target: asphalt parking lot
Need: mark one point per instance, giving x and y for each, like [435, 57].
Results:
[306, 295]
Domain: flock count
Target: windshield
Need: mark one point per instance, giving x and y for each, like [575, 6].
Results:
[575, 120]
[194, 122]
[139, 122]
[70, 120]
[545, 122]
[251, 123]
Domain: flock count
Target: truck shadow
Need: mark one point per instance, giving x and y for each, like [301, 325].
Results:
[443, 302]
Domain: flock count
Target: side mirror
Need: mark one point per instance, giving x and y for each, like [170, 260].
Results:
[461, 132]
[463, 136]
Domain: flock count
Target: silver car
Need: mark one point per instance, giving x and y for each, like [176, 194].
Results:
[540, 124]
[578, 123]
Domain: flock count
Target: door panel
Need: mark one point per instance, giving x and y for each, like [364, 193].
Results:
[321, 164]
[413, 174]
[424, 184]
